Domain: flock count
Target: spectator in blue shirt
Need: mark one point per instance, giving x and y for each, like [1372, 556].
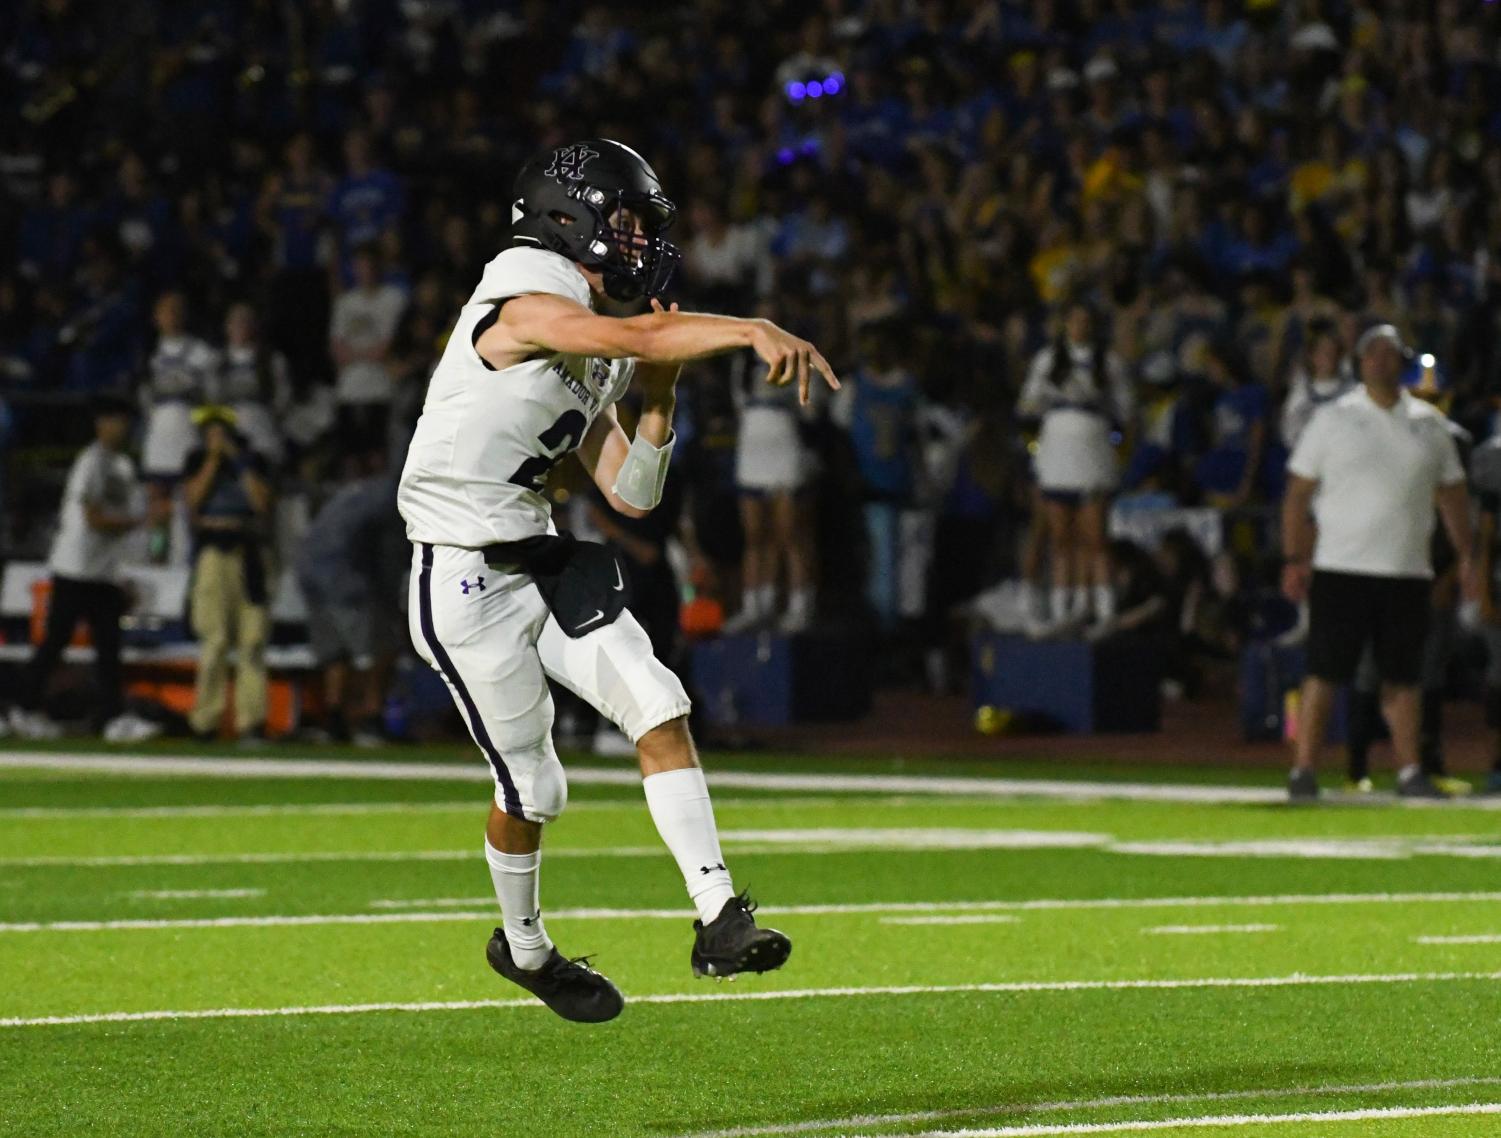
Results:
[104, 334]
[879, 407]
[366, 202]
[1230, 472]
[51, 235]
[291, 212]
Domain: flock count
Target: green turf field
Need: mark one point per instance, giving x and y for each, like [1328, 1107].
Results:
[187, 954]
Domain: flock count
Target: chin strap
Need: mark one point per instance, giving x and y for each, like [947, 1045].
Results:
[643, 473]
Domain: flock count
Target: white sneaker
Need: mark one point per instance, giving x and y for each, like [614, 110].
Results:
[34, 725]
[130, 728]
[612, 744]
[746, 620]
[794, 621]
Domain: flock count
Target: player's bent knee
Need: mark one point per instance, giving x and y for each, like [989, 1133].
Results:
[549, 796]
[540, 786]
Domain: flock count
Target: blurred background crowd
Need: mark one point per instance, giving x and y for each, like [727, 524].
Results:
[278, 208]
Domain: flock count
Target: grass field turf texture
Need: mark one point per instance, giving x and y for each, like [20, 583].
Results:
[305, 956]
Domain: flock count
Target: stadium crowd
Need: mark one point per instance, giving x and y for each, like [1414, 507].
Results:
[1194, 208]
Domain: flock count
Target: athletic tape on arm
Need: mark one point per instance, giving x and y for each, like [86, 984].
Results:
[643, 473]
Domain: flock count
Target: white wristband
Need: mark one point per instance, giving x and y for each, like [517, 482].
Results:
[642, 474]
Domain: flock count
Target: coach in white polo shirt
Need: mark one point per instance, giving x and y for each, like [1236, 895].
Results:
[100, 506]
[1370, 469]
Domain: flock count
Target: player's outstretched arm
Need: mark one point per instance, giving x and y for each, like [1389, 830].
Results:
[544, 322]
[630, 472]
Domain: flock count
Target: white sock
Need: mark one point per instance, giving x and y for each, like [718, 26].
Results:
[800, 604]
[1058, 602]
[1080, 606]
[766, 600]
[680, 807]
[515, 877]
[1104, 602]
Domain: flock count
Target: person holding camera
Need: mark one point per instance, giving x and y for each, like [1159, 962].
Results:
[229, 502]
[1363, 485]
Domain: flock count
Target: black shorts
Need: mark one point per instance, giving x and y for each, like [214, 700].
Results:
[1346, 609]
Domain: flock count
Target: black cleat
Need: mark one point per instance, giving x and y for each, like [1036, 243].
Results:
[731, 943]
[1419, 785]
[569, 987]
[1302, 785]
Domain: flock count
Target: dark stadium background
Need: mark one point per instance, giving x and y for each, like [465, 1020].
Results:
[1212, 177]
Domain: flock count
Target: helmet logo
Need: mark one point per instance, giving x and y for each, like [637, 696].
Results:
[569, 161]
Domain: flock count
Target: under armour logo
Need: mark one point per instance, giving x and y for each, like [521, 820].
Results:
[530, 921]
[569, 162]
[478, 584]
[711, 868]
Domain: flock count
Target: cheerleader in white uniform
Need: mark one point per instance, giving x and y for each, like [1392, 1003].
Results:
[178, 376]
[178, 379]
[254, 382]
[1321, 378]
[1078, 389]
[771, 469]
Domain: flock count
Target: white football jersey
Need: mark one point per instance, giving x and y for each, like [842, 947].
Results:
[180, 368]
[487, 438]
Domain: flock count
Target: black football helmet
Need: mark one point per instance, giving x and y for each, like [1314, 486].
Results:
[567, 200]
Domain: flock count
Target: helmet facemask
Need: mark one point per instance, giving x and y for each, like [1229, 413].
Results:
[626, 244]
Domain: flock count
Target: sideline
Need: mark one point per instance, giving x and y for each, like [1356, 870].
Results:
[1297, 980]
[810, 1125]
[485, 910]
[209, 767]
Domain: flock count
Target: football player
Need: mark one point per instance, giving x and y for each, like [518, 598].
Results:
[500, 602]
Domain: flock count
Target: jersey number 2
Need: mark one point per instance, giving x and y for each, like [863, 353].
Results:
[556, 441]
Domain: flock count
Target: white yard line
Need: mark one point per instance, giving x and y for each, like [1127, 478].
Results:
[1446, 850]
[63, 813]
[1206, 930]
[920, 785]
[1111, 1101]
[1042, 904]
[1482, 938]
[291, 856]
[130, 924]
[48, 813]
[1019, 986]
[620, 776]
[964, 919]
[919, 838]
[484, 909]
[192, 894]
[833, 840]
[1373, 1114]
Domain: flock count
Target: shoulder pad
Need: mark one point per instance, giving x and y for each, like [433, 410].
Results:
[521, 270]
